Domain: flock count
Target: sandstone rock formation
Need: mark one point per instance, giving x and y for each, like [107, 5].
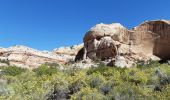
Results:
[112, 44]
[144, 42]
[26, 57]
[161, 44]
[101, 40]
[68, 52]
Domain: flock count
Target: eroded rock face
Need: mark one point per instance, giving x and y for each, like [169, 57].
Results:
[26, 57]
[144, 42]
[161, 44]
[71, 51]
[101, 40]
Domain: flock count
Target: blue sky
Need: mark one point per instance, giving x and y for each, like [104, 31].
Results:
[48, 24]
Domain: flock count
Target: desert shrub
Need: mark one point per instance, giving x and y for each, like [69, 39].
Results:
[60, 89]
[165, 68]
[150, 64]
[27, 86]
[4, 88]
[45, 70]
[128, 91]
[95, 80]
[106, 87]
[135, 76]
[100, 69]
[68, 84]
[88, 94]
[65, 91]
[13, 70]
[77, 81]
[152, 80]
[153, 63]
[72, 70]
[145, 82]
[56, 65]
[109, 74]
[163, 94]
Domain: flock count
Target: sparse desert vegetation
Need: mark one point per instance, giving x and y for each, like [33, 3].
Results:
[48, 82]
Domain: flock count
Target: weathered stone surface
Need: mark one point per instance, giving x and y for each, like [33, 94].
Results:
[115, 30]
[120, 62]
[71, 51]
[159, 31]
[144, 42]
[26, 57]
[101, 40]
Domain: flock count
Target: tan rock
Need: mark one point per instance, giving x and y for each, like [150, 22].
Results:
[144, 42]
[157, 41]
[72, 51]
[101, 41]
[26, 57]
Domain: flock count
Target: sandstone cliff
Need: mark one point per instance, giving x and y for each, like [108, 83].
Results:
[159, 31]
[141, 43]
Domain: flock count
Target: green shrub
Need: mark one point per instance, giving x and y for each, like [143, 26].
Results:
[27, 86]
[126, 91]
[45, 70]
[144, 82]
[52, 65]
[135, 76]
[95, 80]
[13, 70]
[88, 94]
[99, 69]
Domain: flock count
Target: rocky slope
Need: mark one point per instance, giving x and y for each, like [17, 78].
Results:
[30, 58]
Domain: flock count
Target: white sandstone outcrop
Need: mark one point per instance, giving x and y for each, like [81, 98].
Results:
[26, 57]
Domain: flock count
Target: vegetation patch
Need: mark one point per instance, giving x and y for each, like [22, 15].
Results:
[47, 82]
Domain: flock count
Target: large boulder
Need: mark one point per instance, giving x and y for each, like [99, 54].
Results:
[115, 30]
[101, 41]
